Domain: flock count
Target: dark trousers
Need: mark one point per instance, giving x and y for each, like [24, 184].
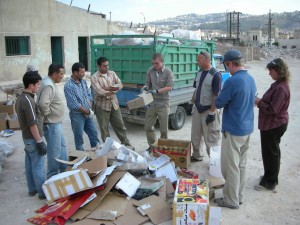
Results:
[270, 149]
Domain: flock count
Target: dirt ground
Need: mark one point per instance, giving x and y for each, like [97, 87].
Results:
[261, 208]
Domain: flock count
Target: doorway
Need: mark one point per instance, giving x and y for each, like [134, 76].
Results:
[57, 50]
[83, 51]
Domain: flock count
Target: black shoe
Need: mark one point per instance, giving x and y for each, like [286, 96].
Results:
[222, 203]
[32, 193]
[41, 197]
[194, 159]
[149, 150]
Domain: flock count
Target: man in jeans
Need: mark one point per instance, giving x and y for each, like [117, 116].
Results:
[105, 84]
[78, 97]
[237, 98]
[52, 109]
[206, 118]
[32, 133]
[159, 82]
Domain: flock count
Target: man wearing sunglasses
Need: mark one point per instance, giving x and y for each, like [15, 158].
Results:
[206, 119]
[159, 82]
[237, 97]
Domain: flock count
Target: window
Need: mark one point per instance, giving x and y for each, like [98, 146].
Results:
[294, 46]
[284, 47]
[254, 37]
[18, 45]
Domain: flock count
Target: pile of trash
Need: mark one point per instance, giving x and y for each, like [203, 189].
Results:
[268, 53]
[115, 185]
[6, 149]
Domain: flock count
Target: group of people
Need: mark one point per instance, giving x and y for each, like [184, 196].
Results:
[42, 116]
[237, 98]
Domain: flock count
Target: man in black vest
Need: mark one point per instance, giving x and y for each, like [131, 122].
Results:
[206, 118]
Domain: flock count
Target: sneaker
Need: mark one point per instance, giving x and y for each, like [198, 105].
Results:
[41, 197]
[196, 159]
[32, 193]
[222, 203]
[259, 187]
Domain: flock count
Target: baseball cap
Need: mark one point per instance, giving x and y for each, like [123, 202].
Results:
[232, 55]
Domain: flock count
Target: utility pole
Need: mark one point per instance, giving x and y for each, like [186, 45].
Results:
[233, 25]
[270, 28]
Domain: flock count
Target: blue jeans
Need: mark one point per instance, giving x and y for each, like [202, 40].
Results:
[56, 148]
[34, 167]
[80, 123]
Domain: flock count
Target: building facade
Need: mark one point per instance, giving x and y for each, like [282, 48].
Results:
[46, 31]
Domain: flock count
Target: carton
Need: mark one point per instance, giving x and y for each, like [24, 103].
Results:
[13, 123]
[3, 121]
[178, 150]
[191, 202]
[141, 101]
[6, 107]
[67, 183]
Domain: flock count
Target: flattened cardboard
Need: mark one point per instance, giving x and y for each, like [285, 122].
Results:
[158, 210]
[111, 202]
[93, 222]
[128, 184]
[131, 215]
[95, 166]
[73, 154]
[87, 209]
[216, 182]
[13, 123]
[214, 215]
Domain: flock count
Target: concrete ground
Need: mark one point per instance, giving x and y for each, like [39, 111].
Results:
[262, 208]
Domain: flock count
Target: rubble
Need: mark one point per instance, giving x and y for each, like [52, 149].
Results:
[269, 53]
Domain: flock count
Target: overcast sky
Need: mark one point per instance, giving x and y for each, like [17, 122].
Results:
[151, 10]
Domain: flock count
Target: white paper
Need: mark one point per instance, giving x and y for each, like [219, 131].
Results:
[167, 171]
[92, 197]
[102, 176]
[129, 184]
[160, 161]
[75, 166]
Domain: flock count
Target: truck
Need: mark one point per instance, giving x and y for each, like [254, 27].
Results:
[130, 56]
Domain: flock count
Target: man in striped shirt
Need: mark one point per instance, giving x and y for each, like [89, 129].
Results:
[32, 133]
[105, 84]
[78, 97]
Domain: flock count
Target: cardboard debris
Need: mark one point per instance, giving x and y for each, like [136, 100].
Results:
[93, 222]
[216, 182]
[141, 101]
[13, 123]
[7, 107]
[67, 183]
[111, 207]
[214, 215]
[168, 171]
[95, 166]
[128, 184]
[156, 208]
[178, 150]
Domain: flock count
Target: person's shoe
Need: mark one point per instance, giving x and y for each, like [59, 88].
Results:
[240, 203]
[259, 187]
[32, 193]
[222, 203]
[41, 197]
[149, 150]
[196, 159]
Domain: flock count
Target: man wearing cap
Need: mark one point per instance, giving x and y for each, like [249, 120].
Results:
[237, 97]
[206, 118]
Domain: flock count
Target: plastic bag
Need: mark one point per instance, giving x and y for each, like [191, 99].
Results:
[127, 41]
[7, 148]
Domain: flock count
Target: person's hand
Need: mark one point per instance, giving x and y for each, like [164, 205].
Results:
[114, 89]
[257, 100]
[145, 88]
[41, 148]
[210, 118]
[153, 92]
[109, 94]
[91, 115]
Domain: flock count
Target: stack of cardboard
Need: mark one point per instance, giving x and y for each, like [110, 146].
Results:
[11, 120]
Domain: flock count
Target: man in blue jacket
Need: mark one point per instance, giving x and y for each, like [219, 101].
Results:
[237, 98]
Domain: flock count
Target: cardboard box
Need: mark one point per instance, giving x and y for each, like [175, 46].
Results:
[67, 183]
[9, 109]
[191, 202]
[13, 123]
[179, 151]
[141, 101]
[3, 121]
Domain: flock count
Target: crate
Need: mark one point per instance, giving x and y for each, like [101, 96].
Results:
[132, 62]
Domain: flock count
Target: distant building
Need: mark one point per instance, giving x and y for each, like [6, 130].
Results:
[45, 31]
[253, 37]
[296, 34]
[284, 36]
[289, 43]
[274, 32]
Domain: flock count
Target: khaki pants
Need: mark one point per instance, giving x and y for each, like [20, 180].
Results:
[154, 112]
[204, 134]
[113, 117]
[233, 165]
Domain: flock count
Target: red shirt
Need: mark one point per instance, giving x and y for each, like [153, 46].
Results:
[273, 107]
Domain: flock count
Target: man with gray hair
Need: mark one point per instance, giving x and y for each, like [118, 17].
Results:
[237, 98]
[159, 82]
[206, 118]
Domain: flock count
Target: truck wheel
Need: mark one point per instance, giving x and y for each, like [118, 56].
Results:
[177, 119]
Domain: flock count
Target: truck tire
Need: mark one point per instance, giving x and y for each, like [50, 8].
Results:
[177, 119]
